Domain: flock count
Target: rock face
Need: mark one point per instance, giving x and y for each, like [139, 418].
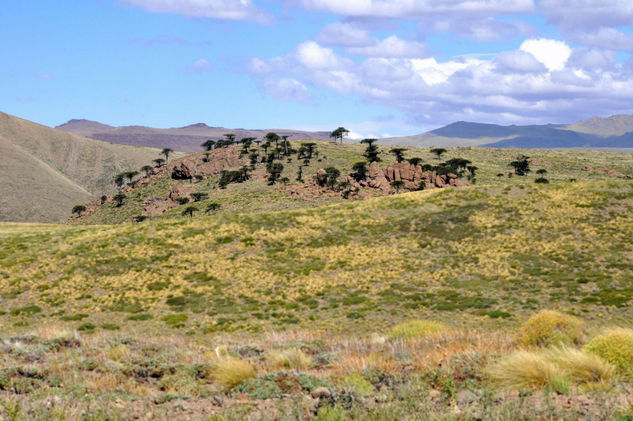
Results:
[411, 175]
[181, 172]
[178, 191]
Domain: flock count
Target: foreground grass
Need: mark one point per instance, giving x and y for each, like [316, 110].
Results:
[473, 255]
[54, 373]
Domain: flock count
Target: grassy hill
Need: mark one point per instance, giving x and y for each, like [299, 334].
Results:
[457, 254]
[255, 313]
[45, 172]
[256, 195]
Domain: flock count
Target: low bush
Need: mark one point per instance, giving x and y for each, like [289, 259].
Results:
[551, 328]
[292, 358]
[416, 329]
[616, 347]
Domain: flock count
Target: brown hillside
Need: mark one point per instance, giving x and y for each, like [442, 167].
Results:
[44, 172]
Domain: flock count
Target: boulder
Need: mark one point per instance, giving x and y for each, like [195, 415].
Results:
[377, 177]
[181, 172]
[178, 191]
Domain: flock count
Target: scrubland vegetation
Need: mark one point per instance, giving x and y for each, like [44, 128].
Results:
[507, 299]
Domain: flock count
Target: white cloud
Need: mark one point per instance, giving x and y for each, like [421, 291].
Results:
[391, 47]
[552, 53]
[544, 81]
[199, 66]
[415, 8]
[313, 56]
[344, 34]
[608, 38]
[288, 89]
[518, 62]
[218, 9]
[485, 29]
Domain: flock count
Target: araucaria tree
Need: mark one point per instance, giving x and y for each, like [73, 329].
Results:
[166, 152]
[119, 199]
[521, 165]
[148, 170]
[208, 145]
[339, 134]
[438, 151]
[274, 172]
[398, 153]
[371, 152]
[189, 210]
[359, 171]
[78, 209]
[159, 162]
[397, 185]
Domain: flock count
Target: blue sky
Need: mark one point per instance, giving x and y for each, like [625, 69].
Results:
[378, 67]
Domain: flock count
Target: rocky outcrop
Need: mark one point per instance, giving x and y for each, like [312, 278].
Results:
[181, 172]
[413, 177]
[178, 191]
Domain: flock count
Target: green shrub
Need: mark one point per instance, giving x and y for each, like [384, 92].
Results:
[416, 329]
[549, 328]
[616, 347]
[357, 383]
[175, 320]
[87, 327]
[140, 317]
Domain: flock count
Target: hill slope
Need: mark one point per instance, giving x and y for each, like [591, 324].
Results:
[186, 139]
[44, 172]
[451, 253]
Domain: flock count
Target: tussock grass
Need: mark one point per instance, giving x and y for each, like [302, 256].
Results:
[580, 366]
[292, 358]
[230, 372]
[555, 368]
[551, 328]
[524, 370]
[417, 329]
[616, 347]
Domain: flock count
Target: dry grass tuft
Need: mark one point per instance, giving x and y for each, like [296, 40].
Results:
[551, 328]
[580, 366]
[231, 372]
[524, 370]
[292, 358]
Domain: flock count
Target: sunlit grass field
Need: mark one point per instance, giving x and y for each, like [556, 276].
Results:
[482, 254]
[255, 313]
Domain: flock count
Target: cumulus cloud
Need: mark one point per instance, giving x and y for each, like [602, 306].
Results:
[484, 29]
[218, 9]
[409, 9]
[391, 47]
[552, 53]
[542, 81]
[518, 62]
[288, 89]
[344, 34]
[594, 23]
[313, 56]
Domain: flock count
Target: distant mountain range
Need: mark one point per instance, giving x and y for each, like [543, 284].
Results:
[186, 139]
[612, 132]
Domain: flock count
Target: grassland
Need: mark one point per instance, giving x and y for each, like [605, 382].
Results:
[249, 313]
[256, 196]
